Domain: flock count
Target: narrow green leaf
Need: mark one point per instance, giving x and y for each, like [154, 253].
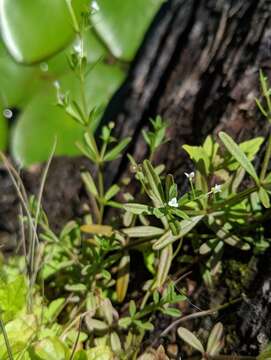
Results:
[154, 182]
[90, 142]
[115, 342]
[111, 192]
[143, 231]
[264, 197]
[132, 308]
[172, 312]
[239, 155]
[116, 151]
[215, 341]
[185, 227]
[164, 266]
[190, 339]
[137, 209]
[89, 183]
[123, 277]
[93, 324]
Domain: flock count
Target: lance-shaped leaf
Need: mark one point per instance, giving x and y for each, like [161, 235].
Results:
[143, 231]
[164, 266]
[230, 239]
[264, 197]
[111, 192]
[93, 324]
[185, 227]
[97, 229]
[137, 209]
[215, 341]
[89, 183]
[154, 182]
[116, 151]
[190, 339]
[123, 277]
[239, 155]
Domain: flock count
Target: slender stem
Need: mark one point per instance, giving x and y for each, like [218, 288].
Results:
[101, 191]
[231, 357]
[145, 299]
[192, 188]
[83, 97]
[266, 160]
[236, 199]
[198, 314]
[3, 330]
[77, 338]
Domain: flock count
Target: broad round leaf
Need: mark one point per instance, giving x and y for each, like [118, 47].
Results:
[122, 24]
[42, 121]
[35, 30]
[17, 81]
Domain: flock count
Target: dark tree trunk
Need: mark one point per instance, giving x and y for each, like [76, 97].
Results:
[198, 69]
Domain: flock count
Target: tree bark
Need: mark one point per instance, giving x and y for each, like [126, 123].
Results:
[198, 69]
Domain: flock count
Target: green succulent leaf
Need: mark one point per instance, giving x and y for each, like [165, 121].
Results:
[123, 30]
[52, 33]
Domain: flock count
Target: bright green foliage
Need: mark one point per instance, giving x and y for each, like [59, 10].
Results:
[51, 21]
[215, 340]
[33, 36]
[53, 123]
[12, 296]
[122, 25]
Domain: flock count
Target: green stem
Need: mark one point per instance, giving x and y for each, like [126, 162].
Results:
[3, 330]
[231, 357]
[83, 97]
[266, 160]
[101, 191]
[236, 198]
[198, 314]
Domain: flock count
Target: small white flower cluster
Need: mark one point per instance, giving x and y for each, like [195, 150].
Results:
[173, 203]
[216, 189]
[190, 176]
[77, 47]
[57, 84]
[94, 6]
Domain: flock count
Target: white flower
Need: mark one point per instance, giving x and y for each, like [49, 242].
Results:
[190, 176]
[77, 47]
[216, 189]
[57, 84]
[173, 202]
[94, 6]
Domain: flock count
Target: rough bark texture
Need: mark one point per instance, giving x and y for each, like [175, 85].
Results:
[197, 68]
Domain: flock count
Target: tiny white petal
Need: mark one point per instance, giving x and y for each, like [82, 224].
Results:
[190, 176]
[95, 6]
[77, 47]
[216, 189]
[57, 84]
[173, 202]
